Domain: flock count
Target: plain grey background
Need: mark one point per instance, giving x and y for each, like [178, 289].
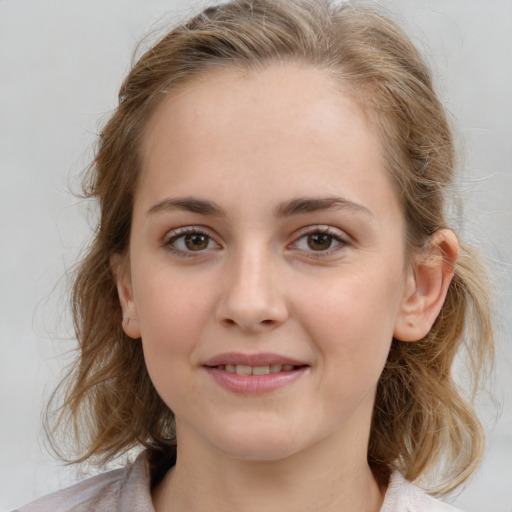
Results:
[61, 65]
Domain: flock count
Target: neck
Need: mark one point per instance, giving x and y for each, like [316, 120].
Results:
[310, 480]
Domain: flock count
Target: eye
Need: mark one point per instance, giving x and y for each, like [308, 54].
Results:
[320, 240]
[187, 240]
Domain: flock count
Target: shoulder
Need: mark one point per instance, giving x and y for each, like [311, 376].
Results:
[403, 496]
[126, 489]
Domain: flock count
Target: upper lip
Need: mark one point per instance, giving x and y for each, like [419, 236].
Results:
[261, 359]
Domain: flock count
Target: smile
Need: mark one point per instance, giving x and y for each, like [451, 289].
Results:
[242, 369]
[254, 374]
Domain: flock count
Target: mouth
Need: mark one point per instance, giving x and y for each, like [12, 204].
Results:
[242, 369]
[252, 374]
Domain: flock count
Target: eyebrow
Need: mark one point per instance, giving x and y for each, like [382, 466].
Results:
[188, 204]
[298, 206]
[304, 205]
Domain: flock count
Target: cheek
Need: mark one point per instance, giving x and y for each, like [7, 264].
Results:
[172, 315]
[351, 320]
[170, 303]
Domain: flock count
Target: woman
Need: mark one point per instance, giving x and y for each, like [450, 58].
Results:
[274, 299]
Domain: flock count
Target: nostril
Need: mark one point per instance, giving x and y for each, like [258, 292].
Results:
[231, 322]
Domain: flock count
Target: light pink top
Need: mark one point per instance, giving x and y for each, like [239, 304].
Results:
[129, 490]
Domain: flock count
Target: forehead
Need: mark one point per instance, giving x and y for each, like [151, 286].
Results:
[288, 125]
[285, 98]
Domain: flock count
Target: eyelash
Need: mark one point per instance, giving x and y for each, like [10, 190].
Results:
[181, 233]
[305, 232]
[334, 235]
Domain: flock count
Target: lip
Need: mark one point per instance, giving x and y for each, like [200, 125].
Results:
[260, 359]
[254, 384]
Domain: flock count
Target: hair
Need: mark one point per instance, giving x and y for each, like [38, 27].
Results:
[422, 422]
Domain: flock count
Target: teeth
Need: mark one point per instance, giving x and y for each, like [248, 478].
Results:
[242, 369]
[260, 370]
[274, 368]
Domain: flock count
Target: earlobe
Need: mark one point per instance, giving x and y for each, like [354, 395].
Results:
[121, 270]
[426, 287]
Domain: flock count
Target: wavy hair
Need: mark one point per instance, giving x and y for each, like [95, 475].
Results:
[421, 421]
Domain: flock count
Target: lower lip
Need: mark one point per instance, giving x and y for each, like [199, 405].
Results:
[255, 384]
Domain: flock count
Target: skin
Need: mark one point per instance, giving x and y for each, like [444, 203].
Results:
[252, 143]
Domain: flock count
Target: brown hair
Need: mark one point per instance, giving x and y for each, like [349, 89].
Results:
[421, 422]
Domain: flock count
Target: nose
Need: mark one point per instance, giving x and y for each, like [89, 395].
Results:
[252, 299]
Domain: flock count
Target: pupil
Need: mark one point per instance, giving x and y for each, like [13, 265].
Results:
[196, 241]
[319, 241]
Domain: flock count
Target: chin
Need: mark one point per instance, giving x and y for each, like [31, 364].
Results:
[258, 444]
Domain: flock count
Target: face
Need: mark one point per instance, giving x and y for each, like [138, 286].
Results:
[266, 272]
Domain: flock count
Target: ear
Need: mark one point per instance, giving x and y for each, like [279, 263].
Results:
[426, 287]
[121, 269]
